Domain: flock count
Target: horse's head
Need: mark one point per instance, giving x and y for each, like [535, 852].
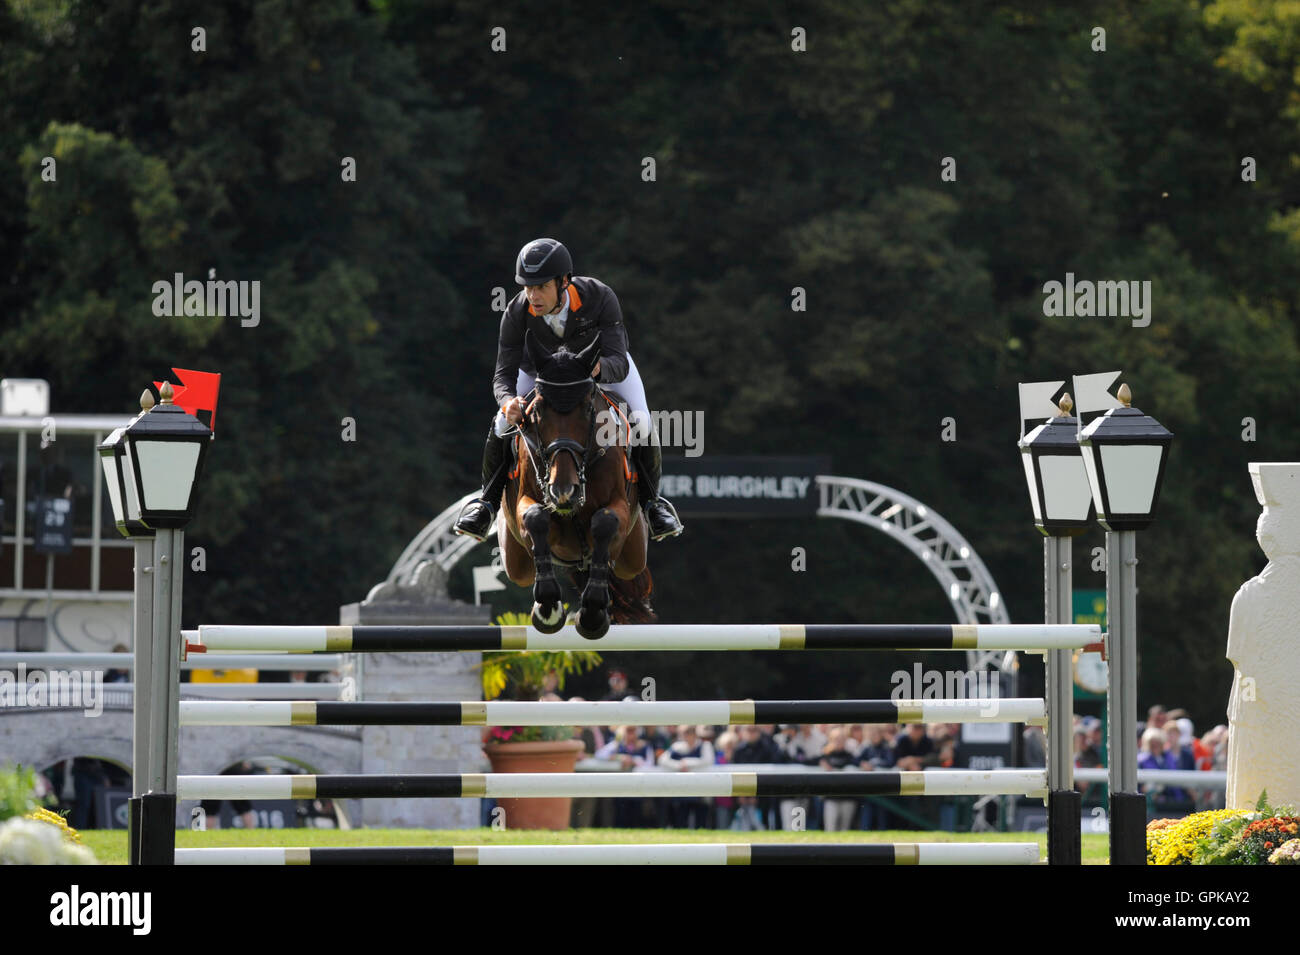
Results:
[564, 420]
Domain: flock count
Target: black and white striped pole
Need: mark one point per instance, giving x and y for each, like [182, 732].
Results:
[1124, 455]
[1062, 506]
[152, 467]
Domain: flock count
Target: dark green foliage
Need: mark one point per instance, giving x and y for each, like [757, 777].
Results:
[819, 170]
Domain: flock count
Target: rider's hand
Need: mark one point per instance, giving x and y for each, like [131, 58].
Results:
[595, 372]
[514, 410]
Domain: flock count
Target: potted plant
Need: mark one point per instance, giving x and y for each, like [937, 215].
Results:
[528, 674]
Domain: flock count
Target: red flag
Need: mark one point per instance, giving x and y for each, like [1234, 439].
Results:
[197, 392]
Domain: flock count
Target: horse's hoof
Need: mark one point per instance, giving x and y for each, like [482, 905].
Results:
[592, 625]
[548, 623]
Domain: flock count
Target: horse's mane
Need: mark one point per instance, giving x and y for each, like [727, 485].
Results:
[562, 366]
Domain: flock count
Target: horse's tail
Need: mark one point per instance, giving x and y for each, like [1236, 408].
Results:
[630, 599]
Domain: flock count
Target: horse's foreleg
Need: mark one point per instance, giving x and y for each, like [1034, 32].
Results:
[593, 620]
[548, 612]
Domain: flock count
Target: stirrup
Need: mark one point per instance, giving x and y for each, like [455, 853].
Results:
[470, 528]
[677, 520]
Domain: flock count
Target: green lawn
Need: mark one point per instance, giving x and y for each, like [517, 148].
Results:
[109, 846]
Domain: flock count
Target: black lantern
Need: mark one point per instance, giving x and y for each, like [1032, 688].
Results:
[122, 497]
[161, 463]
[1124, 454]
[1054, 471]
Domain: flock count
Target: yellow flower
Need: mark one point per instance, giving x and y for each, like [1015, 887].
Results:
[54, 819]
[1174, 843]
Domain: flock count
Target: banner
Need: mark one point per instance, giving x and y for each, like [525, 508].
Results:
[743, 486]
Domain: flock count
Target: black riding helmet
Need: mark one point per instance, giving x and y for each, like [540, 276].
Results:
[542, 260]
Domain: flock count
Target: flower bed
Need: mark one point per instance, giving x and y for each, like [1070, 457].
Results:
[1262, 836]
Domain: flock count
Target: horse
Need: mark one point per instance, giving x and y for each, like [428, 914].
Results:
[572, 500]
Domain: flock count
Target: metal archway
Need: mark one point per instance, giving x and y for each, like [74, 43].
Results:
[967, 583]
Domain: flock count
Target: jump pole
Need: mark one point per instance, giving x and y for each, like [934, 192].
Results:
[660, 713]
[382, 639]
[905, 853]
[950, 782]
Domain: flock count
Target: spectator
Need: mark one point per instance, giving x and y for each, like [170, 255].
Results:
[118, 676]
[659, 739]
[1093, 726]
[837, 814]
[1085, 754]
[593, 737]
[617, 686]
[628, 749]
[755, 747]
[877, 752]
[1157, 756]
[855, 739]
[912, 747]
[945, 755]
[1156, 716]
[798, 744]
[632, 752]
[1035, 748]
[1153, 751]
[1179, 744]
[687, 752]
[723, 753]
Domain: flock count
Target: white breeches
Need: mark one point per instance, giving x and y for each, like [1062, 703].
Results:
[630, 388]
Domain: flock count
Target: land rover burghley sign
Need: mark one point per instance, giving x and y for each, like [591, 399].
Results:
[753, 486]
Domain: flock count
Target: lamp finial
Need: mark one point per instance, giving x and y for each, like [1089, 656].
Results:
[1124, 395]
[146, 400]
[1066, 404]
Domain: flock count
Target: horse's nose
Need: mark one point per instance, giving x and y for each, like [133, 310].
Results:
[564, 493]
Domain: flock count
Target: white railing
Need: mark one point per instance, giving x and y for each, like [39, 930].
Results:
[199, 661]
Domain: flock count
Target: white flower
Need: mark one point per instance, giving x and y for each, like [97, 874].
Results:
[28, 842]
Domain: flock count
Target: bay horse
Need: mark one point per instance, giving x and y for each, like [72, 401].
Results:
[572, 500]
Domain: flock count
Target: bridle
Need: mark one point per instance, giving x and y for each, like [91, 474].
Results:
[580, 453]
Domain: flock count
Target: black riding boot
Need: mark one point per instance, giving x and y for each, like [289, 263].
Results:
[477, 516]
[661, 517]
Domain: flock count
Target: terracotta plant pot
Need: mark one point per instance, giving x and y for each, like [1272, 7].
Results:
[547, 756]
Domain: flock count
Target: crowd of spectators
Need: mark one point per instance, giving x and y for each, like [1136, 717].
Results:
[1168, 742]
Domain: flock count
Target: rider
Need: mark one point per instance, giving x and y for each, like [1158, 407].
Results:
[560, 308]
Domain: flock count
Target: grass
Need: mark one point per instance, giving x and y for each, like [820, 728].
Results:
[109, 845]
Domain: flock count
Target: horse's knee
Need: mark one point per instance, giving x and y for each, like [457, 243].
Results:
[537, 522]
[604, 524]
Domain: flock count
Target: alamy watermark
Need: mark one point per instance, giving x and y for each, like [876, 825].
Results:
[1105, 299]
[63, 689]
[674, 429]
[947, 687]
[210, 299]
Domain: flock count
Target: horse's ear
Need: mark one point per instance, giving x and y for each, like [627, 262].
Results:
[590, 355]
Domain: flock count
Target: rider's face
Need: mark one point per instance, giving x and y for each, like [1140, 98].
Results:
[543, 297]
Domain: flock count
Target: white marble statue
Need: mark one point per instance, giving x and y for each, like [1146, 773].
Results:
[1264, 646]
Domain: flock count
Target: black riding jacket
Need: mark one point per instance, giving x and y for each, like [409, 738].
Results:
[594, 312]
